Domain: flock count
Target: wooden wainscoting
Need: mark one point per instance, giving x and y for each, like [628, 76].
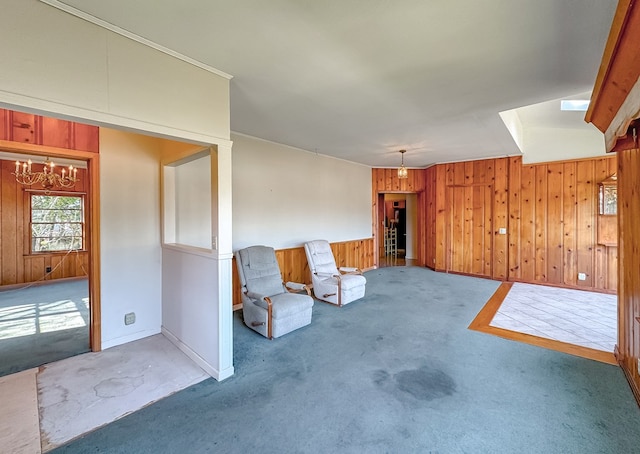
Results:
[294, 266]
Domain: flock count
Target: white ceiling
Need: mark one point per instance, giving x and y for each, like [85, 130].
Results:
[362, 79]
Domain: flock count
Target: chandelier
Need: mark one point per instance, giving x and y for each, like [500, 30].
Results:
[48, 177]
[402, 170]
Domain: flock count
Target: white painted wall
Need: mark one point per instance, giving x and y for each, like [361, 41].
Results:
[193, 202]
[55, 62]
[189, 313]
[283, 197]
[130, 250]
[559, 144]
[196, 280]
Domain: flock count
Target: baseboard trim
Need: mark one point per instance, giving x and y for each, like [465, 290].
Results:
[208, 368]
[130, 338]
[632, 384]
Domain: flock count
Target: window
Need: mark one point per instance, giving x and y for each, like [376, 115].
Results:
[608, 192]
[57, 222]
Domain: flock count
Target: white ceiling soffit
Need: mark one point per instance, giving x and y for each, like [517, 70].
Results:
[360, 80]
[544, 132]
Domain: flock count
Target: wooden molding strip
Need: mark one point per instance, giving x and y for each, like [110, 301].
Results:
[482, 324]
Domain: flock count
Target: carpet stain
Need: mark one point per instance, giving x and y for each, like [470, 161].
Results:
[425, 383]
[380, 377]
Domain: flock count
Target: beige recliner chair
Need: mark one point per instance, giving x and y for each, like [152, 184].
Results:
[269, 306]
[330, 284]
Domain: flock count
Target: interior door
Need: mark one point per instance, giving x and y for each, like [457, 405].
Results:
[469, 236]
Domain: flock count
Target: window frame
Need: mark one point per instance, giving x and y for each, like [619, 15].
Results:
[81, 196]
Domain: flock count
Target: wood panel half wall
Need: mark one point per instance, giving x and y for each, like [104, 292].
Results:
[294, 266]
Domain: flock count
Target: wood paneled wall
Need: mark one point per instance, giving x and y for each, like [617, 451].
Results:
[548, 213]
[553, 224]
[50, 132]
[472, 207]
[17, 265]
[629, 265]
[294, 267]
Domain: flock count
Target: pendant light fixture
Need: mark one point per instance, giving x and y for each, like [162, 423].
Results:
[402, 170]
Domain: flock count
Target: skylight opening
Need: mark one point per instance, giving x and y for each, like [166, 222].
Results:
[574, 105]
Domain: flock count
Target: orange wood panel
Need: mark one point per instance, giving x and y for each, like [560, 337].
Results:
[620, 67]
[569, 213]
[515, 221]
[500, 219]
[441, 217]
[55, 132]
[86, 137]
[8, 248]
[23, 128]
[541, 223]
[585, 226]
[629, 264]
[555, 224]
[5, 122]
[527, 240]
[469, 242]
[427, 218]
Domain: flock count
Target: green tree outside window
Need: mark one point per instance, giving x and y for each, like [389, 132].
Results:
[56, 223]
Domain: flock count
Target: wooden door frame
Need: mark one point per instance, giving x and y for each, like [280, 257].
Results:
[379, 218]
[93, 222]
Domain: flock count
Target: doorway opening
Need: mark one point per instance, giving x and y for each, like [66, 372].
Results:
[397, 229]
[45, 312]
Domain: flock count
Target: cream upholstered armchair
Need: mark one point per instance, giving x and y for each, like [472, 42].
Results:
[268, 306]
[330, 284]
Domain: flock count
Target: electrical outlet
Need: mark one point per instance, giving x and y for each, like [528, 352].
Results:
[582, 276]
[130, 318]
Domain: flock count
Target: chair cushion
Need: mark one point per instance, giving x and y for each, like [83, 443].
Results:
[287, 304]
[322, 257]
[349, 281]
[261, 271]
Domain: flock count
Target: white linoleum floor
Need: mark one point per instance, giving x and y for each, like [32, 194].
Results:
[578, 317]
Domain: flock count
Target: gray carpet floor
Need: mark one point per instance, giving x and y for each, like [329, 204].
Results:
[395, 372]
[43, 323]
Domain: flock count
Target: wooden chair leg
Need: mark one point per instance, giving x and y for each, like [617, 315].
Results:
[269, 318]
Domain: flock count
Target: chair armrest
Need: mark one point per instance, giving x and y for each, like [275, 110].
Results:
[350, 270]
[256, 296]
[297, 287]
